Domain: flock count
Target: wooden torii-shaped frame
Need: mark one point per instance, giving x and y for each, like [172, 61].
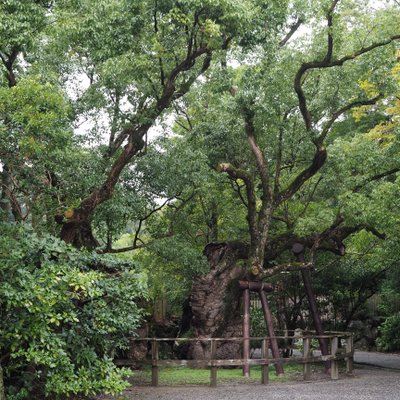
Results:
[262, 288]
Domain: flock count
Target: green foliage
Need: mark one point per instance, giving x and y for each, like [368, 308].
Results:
[346, 284]
[389, 339]
[36, 144]
[34, 119]
[19, 21]
[59, 324]
[258, 326]
[172, 263]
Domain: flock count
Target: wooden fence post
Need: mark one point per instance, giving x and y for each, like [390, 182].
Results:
[246, 332]
[306, 355]
[154, 362]
[264, 367]
[213, 377]
[334, 362]
[349, 354]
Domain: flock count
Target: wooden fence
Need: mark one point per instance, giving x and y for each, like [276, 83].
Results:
[340, 348]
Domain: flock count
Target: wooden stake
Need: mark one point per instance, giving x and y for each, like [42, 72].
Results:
[154, 363]
[306, 354]
[246, 331]
[264, 367]
[213, 377]
[334, 363]
[349, 354]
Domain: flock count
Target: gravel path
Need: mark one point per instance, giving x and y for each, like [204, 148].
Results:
[382, 360]
[366, 384]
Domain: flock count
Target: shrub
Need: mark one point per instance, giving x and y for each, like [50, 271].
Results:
[63, 314]
[389, 339]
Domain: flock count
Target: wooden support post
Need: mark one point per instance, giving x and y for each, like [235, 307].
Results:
[246, 331]
[256, 286]
[213, 376]
[298, 251]
[323, 344]
[264, 367]
[334, 363]
[306, 354]
[349, 354]
[154, 363]
[271, 332]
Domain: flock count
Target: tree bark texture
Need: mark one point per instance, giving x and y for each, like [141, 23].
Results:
[215, 303]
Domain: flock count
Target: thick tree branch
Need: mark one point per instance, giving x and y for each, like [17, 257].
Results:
[330, 240]
[259, 241]
[279, 153]
[105, 191]
[340, 112]
[327, 62]
[163, 101]
[8, 61]
[316, 164]
[262, 165]
[271, 271]
[329, 53]
[186, 85]
[376, 178]
[185, 65]
[291, 32]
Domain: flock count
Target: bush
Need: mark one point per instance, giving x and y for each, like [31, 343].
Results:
[63, 314]
[389, 339]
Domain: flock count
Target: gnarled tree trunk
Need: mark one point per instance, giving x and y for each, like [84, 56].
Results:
[77, 229]
[215, 302]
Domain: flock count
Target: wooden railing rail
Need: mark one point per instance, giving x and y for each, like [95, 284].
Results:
[340, 345]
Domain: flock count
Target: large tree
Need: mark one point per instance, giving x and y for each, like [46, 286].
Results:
[269, 125]
[140, 59]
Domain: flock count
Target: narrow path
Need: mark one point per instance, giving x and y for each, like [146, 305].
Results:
[381, 360]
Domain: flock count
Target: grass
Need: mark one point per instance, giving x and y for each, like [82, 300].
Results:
[176, 376]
